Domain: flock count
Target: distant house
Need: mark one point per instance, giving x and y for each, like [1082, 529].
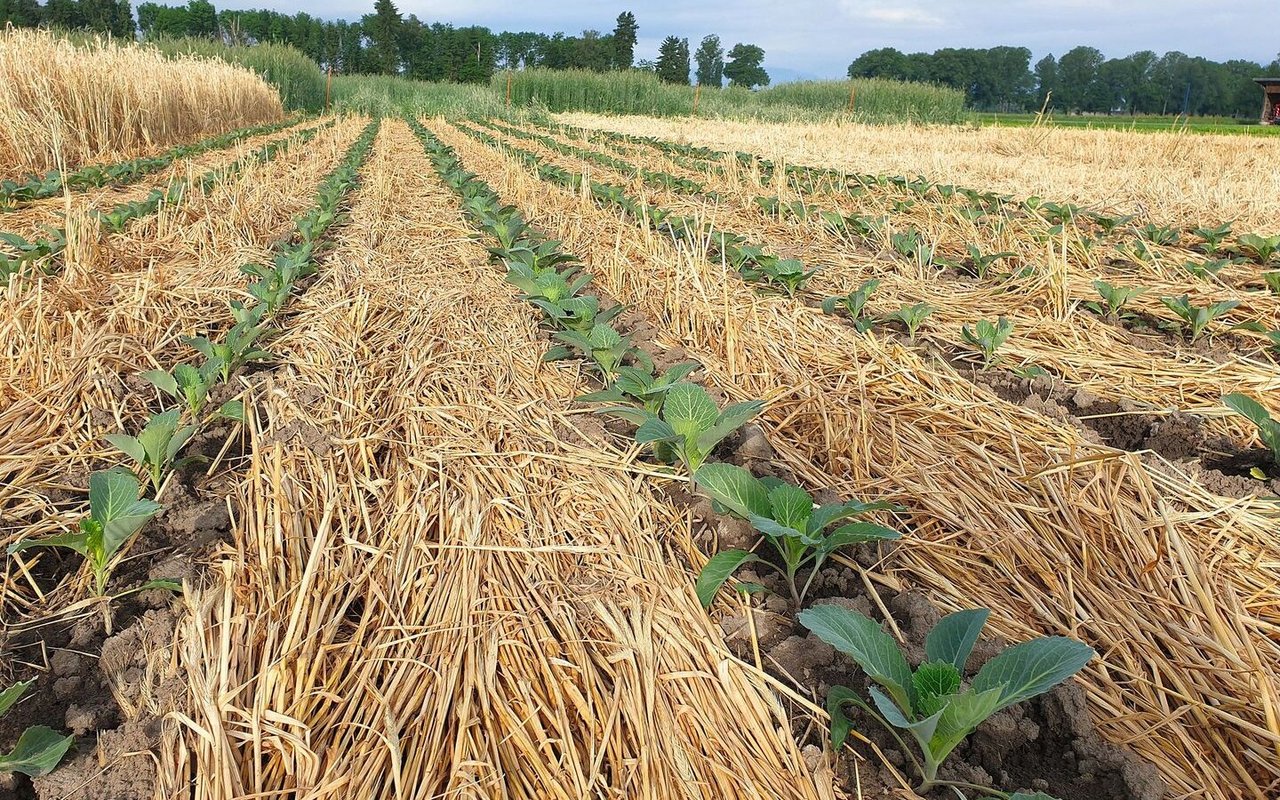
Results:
[1270, 100]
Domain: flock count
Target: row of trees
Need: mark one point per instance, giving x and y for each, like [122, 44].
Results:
[744, 67]
[388, 43]
[1082, 80]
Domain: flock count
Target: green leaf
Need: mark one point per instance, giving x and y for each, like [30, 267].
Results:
[934, 682]
[961, 716]
[861, 639]
[655, 430]
[113, 501]
[689, 410]
[729, 420]
[734, 488]
[856, 533]
[77, 541]
[953, 638]
[921, 729]
[38, 751]
[129, 446]
[1031, 668]
[232, 410]
[791, 506]
[717, 571]
[178, 440]
[840, 725]
[161, 380]
[1248, 408]
[13, 694]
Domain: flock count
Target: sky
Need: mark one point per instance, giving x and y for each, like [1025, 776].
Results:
[811, 38]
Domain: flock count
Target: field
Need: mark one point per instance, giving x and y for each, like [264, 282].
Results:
[410, 511]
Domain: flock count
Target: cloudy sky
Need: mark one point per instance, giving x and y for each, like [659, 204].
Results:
[820, 38]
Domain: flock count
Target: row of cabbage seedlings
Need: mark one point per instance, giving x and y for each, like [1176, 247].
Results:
[682, 425]
[985, 337]
[15, 193]
[40, 254]
[1190, 319]
[1212, 240]
[119, 506]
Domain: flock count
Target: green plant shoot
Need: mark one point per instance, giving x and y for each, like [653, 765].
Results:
[39, 748]
[156, 446]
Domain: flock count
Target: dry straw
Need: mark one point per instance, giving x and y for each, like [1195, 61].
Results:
[66, 105]
[438, 588]
[1176, 588]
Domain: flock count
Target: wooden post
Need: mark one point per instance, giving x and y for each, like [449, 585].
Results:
[508, 88]
[697, 93]
[328, 86]
[852, 91]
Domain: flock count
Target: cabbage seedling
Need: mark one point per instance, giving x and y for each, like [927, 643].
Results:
[642, 386]
[929, 703]
[115, 514]
[1197, 317]
[1213, 237]
[235, 350]
[1115, 297]
[911, 317]
[687, 426]
[788, 274]
[602, 344]
[789, 521]
[546, 285]
[186, 384]
[979, 264]
[1208, 268]
[1259, 248]
[1272, 280]
[39, 748]
[1158, 234]
[854, 304]
[155, 447]
[1252, 410]
[988, 337]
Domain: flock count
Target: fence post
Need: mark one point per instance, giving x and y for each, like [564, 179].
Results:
[852, 93]
[328, 84]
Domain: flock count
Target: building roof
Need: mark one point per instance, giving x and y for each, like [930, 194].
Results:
[1267, 82]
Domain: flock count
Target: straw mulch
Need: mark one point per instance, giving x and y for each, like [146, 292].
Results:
[1174, 178]
[1176, 589]
[64, 106]
[442, 582]
[31, 220]
[1048, 332]
[73, 343]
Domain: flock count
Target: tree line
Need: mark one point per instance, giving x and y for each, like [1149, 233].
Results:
[386, 42]
[1081, 80]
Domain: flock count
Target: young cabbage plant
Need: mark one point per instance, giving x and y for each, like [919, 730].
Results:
[1108, 223]
[187, 384]
[1158, 234]
[1115, 297]
[687, 425]
[979, 264]
[988, 337]
[854, 304]
[537, 258]
[235, 350]
[156, 446]
[1197, 317]
[1213, 237]
[579, 314]
[1260, 248]
[115, 514]
[548, 284]
[1252, 410]
[799, 531]
[641, 386]
[39, 748]
[1208, 268]
[787, 274]
[603, 345]
[911, 317]
[929, 703]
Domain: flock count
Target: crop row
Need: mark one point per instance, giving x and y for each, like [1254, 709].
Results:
[682, 426]
[1249, 256]
[119, 505]
[28, 255]
[36, 187]
[788, 276]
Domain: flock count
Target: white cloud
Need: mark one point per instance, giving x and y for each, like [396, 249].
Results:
[890, 15]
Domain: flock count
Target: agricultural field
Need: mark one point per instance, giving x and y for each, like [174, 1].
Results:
[582, 456]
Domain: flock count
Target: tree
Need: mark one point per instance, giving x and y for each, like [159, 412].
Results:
[624, 40]
[383, 27]
[744, 66]
[885, 62]
[202, 19]
[1078, 79]
[710, 58]
[673, 61]
[1046, 77]
[21, 13]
